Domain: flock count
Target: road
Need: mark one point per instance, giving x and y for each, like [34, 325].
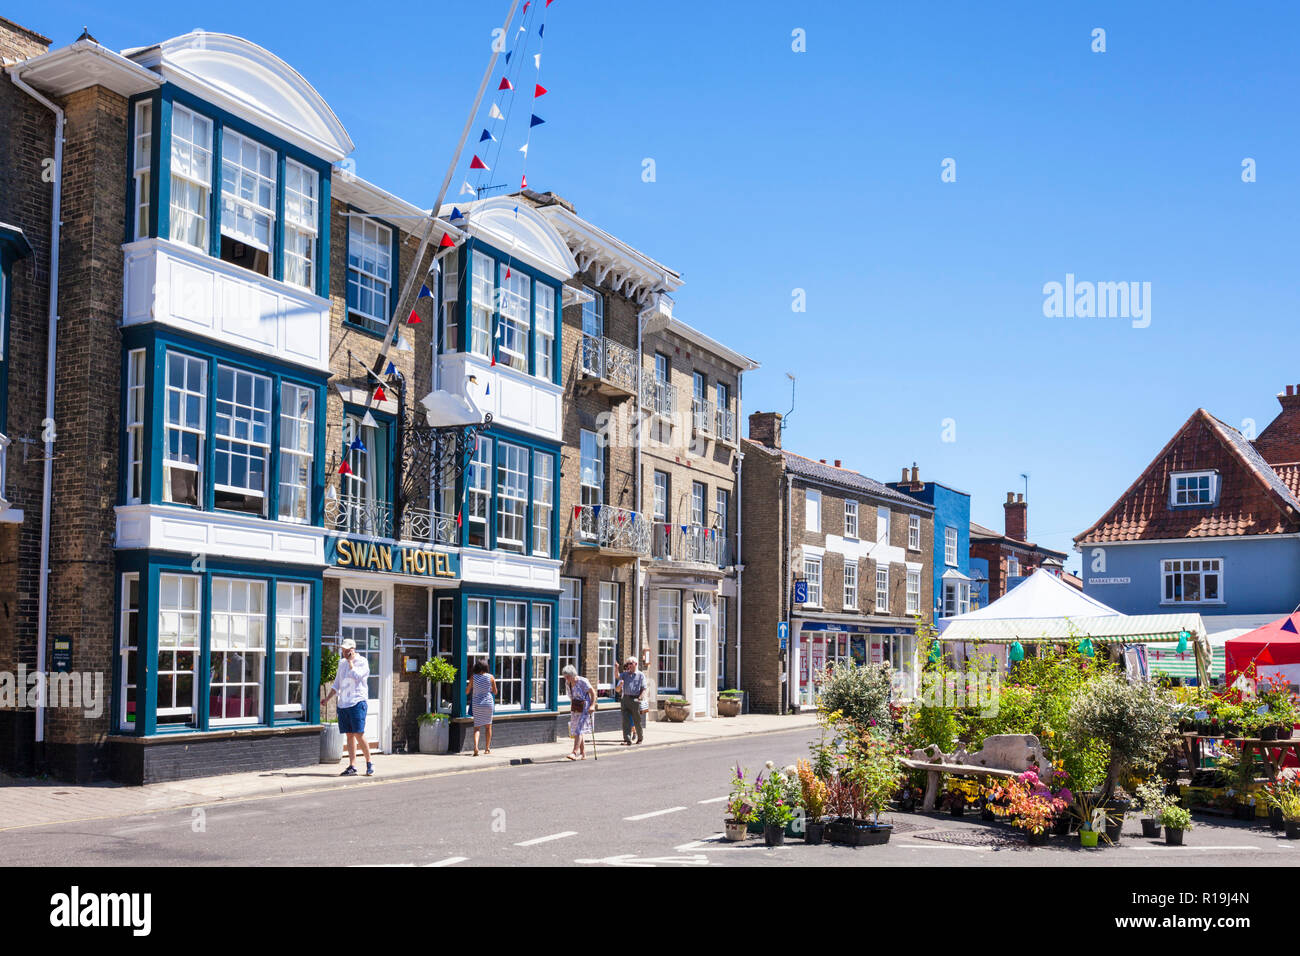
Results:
[658, 807]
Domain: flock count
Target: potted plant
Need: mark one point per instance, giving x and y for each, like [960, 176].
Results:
[874, 772]
[1271, 794]
[730, 703]
[331, 741]
[740, 807]
[773, 807]
[1090, 810]
[1176, 820]
[813, 791]
[1133, 721]
[1152, 801]
[435, 728]
[676, 709]
[1032, 807]
[1289, 803]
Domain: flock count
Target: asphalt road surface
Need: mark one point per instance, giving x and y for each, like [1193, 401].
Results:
[657, 807]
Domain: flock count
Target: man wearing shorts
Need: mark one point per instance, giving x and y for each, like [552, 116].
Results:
[351, 686]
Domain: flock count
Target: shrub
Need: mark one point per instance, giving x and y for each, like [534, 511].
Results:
[1176, 818]
[436, 670]
[1132, 721]
[859, 693]
[329, 666]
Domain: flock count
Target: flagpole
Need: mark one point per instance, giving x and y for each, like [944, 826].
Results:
[404, 304]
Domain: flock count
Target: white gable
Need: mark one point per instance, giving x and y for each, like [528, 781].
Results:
[252, 83]
[516, 228]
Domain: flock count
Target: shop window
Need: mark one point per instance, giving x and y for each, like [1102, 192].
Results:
[292, 648]
[237, 652]
[669, 607]
[478, 630]
[539, 698]
[511, 652]
[178, 648]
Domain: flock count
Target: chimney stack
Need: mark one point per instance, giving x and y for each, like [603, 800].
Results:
[916, 478]
[903, 480]
[1279, 443]
[1017, 518]
[837, 463]
[765, 428]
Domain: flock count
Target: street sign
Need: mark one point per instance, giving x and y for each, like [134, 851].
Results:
[783, 634]
[801, 592]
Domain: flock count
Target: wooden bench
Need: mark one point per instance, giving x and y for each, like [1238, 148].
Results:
[1003, 755]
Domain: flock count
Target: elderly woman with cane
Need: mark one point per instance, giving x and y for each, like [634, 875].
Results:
[582, 719]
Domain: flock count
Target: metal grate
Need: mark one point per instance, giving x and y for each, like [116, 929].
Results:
[989, 838]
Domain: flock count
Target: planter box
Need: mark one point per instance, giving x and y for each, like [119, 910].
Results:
[435, 736]
[1173, 837]
[331, 744]
[858, 832]
[676, 713]
[729, 706]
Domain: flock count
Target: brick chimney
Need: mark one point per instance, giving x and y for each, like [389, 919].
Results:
[1017, 518]
[917, 484]
[1279, 443]
[765, 428]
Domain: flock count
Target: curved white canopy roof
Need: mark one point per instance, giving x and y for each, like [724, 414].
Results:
[252, 83]
[519, 230]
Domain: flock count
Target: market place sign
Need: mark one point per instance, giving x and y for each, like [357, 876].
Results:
[390, 558]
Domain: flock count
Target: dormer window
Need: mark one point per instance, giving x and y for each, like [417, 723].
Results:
[1188, 489]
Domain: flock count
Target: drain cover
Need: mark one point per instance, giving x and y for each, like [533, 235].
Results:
[973, 838]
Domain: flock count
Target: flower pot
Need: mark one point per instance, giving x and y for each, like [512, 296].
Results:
[774, 834]
[1173, 837]
[1243, 811]
[1150, 828]
[1268, 733]
[1292, 829]
[1114, 829]
[814, 833]
[1275, 821]
[1036, 839]
[1061, 826]
[729, 706]
[435, 736]
[874, 834]
[1088, 838]
[676, 713]
[736, 830]
[331, 744]
[1284, 732]
[957, 809]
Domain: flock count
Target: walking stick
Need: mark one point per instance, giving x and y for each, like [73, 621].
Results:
[593, 727]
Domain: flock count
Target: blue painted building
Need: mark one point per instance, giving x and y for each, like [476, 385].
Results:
[952, 563]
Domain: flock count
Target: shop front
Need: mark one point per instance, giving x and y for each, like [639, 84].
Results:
[816, 645]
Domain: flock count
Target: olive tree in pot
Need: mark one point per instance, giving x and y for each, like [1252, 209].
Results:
[1133, 720]
[331, 741]
[435, 728]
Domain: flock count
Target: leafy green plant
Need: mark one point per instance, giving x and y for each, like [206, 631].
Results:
[772, 796]
[1152, 799]
[1132, 720]
[860, 693]
[1176, 818]
[1288, 802]
[329, 666]
[438, 670]
[814, 791]
[731, 693]
[741, 802]
[431, 718]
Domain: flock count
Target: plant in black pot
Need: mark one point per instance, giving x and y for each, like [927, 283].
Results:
[1132, 721]
[773, 805]
[1289, 804]
[1176, 822]
[813, 790]
[1152, 801]
[875, 771]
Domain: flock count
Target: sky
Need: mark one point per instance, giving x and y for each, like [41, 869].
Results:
[923, 336]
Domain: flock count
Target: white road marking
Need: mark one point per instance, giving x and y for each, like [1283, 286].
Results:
[547, 839]
[714, 800]
[629, 859]
[450, 861]
[654, 813]
[700, 844]
[939, 846]
[1185, 847]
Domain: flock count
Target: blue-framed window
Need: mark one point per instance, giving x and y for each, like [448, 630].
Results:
[13, 246]
[515, 634]
[365, 495]
[510, 312]
[215, 430]
[509, 495]
[374, 265]
[204, 178]
[214, 645]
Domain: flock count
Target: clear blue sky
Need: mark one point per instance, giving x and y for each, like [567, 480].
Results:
[820, 170]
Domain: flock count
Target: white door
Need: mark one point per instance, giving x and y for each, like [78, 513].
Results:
[700, 692]
[372, 640]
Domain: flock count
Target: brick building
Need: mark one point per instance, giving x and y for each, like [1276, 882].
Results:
[998, 562]
[844, 561]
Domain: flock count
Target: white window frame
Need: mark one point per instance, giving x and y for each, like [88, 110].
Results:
[882, 589]
[570, 648]
[292, 637]
[699, 503]
[136, 379]
[233, 614]
[190, 168]
[591, 469]
[510, 653]
[482, 302]
[297, 438]
[370, 274]
[543, 502]
[914, 532]
[1173, 568]
[195, 370]
[668, 661]
[478, 489]
[850, 585]
[179, 632]
[956, 598]
[724, 614]
[301, 224]
[950, 557]
[143, 166]
[913, 592]
[812, 510]
[1190, 494]
[812, 574]
[544, 331]
[515, 310]
[661, 496]
[850, 518]
[540, 628]
[245, 431]
[722, 511]
[478, 630]
[512, 496]
[882, 525]
[242, 198]
[130, 621]
[607, 628]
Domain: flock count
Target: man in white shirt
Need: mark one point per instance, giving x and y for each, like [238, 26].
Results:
[351, 684]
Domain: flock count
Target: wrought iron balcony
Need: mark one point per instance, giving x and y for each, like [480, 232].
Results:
[702, 419]
[724, 425]
[429, 527]
[658, 396]
[357, 515]
[690, 544]
[612, 364]
[611, 529]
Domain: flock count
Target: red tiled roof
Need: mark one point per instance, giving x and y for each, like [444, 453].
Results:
[1253, 499]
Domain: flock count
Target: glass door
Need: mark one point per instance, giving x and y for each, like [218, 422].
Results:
[700, 690]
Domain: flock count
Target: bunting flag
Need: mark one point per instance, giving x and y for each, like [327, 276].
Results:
[343, 468]
[465, 188]
[524, 149]
[447, 242]
[505, 84]
[535, 121]
[541, 31]
[457, 519]
[1016, 652]
[539, 91]
[424, 289]
[524, 182]
[403, 345]
[577, 512]
[507, 276]
[549, 2]
[477, 163]
[537, 61]
[358, 445]
[391, 370]
[509, 54]
[487, 135]
[456, 214]
[413, 318]
[528, 4]
[369, 421]
[379, 394]
[495, 112]
[487, 389]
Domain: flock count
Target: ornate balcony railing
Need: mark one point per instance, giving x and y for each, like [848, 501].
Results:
[610, 361]
[659, 396]
[358, 515]
[430, 527]
[691, 544]
[702, 415]
[605, 526]
[724, 425]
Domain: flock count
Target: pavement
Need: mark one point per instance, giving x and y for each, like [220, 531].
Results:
[27, 802]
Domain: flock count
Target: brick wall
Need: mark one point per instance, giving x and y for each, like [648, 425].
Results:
[763, 596]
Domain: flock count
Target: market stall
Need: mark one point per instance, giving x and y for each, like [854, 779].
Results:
[1273, 650]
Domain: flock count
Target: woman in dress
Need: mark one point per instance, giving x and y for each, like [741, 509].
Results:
[481, 689]
[582, 719]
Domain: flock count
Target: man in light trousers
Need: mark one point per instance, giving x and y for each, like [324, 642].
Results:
[631, 687]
